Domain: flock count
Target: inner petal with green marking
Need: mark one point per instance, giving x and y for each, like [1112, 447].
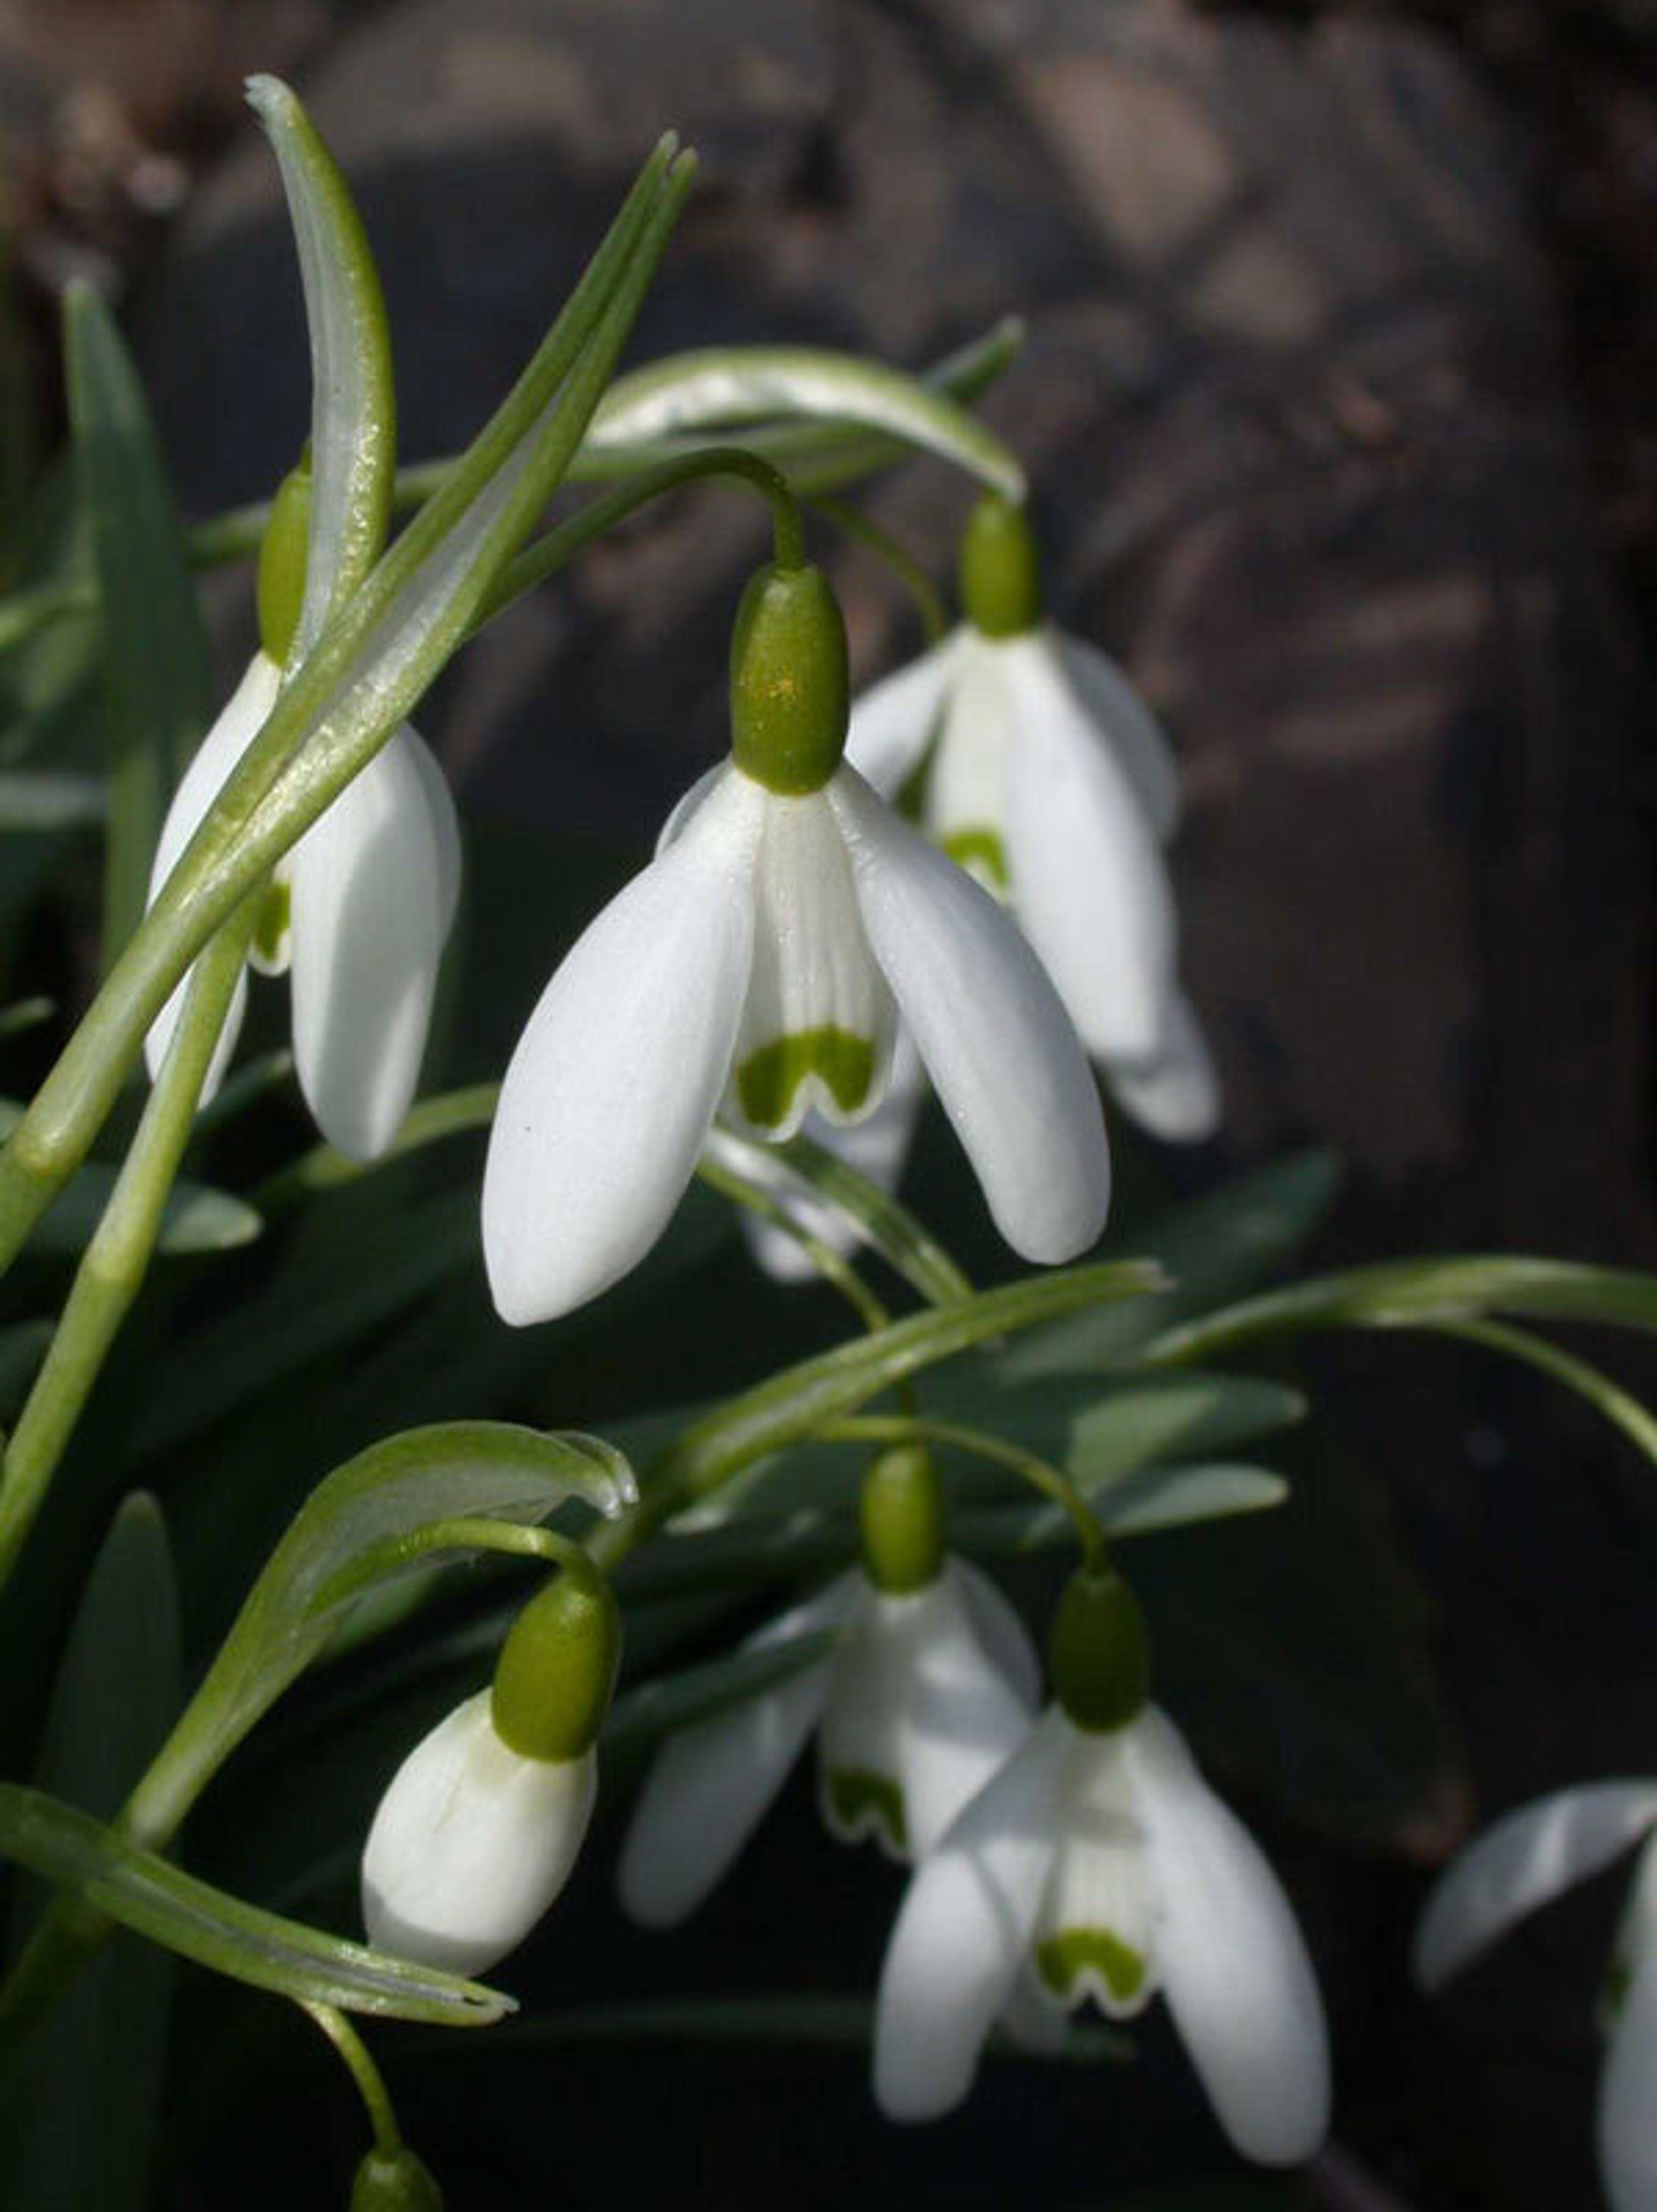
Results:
[856, 1803]
[1083, 1960]
[273, 942]
[980, 852]
[770, 1080]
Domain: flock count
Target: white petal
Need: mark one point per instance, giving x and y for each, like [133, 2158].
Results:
[470, 1844]
[243, 716]
[1001, 1630]
[1094, 1936]
[892, 721]
[613, 1083]
[1128, 727]
[966, 788]
[999, 1049]
[711, 1783]
[1530, 1856]
[877, 1147]
[1089, 885]
[1034, 2019]
[1239, 1983]
[817, 1026]
[372, 884]
[1626, 2121]
[1176, 1096]
[919, 1718]
[962, 1936]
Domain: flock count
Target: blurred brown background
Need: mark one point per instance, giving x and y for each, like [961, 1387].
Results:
[1341, 404]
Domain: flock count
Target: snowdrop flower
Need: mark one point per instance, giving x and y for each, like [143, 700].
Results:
[1047, 777]
[481, 1825]
[357, 914]
[1532, 1855]
[763, 958]
[930, 1683]
[1098, 1863]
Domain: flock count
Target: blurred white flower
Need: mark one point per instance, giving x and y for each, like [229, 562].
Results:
[919, 1700]
[1099, 1863]
[1532, 1854]
[359, 911]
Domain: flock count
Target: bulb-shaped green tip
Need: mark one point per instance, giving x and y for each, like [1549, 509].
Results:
[558, 1668]
[900, 1514]
[395, 2181]
[790, 688]
[1000, 567]
[1098, 1654]
[282, 562]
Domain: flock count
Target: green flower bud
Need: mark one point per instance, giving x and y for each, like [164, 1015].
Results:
[558, 1668]
[1098, 1655]
[395, 2181]
[282, 562]
[1000, 569]
[790, 688]
[900, 1512]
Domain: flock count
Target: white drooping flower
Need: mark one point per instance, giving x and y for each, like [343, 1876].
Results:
[1098, 1863]
[1531, 1856]
[357, 915]
[920, 1699]
[471, 1842]
[762, 960]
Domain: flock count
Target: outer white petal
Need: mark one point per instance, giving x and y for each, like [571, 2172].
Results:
[1088, 881]
[813, 972]
[470, 1844]
[892, 721]
[1128, 727]
[1529, 1856]
[919, 1719]
[1238, 1980]
[994, 1038]
[1626, 2121]
[373, 883]
[613, 1083]
[1094, 1936]
[877, 1147]
[1176, 1096]
[1001, 1630]
[966, 786]
[961, 1936]
[243, 715]
[710, 1784]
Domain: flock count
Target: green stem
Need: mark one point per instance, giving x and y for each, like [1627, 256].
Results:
[834, 1268]
[1041, 1474]
[370, 2082]
[115, 1263]
[852, 522]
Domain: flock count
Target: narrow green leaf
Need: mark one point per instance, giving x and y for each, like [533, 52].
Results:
[1140, 1504]
[196, 1220]
[726, 387]
[26, 1014]
[640, 1717]
[78, 2107]
[354, 405]
[354, 1532]
[159, 1901]
[1214, 1248]
[33, 800]
[155, 656]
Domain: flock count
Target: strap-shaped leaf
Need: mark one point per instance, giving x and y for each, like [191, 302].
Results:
[159, 1901]
[33, 800]
[197, 1218]
[365, 1525]
[353, 406]
[724, 387]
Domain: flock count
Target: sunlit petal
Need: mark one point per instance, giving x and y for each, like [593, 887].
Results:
[892, 721]
[1128, 727]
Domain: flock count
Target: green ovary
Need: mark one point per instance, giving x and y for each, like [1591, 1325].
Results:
[981, 853]
[1062, 1960]
[858, 1799]
[768, 1080]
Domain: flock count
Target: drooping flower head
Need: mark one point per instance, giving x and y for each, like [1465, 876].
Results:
[762, 961]
[1097, 1864]
[479, 1828]
[356, 915]
[928, 1685]
[1532, 1855]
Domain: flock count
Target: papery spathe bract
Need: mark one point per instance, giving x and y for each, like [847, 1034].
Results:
[763, 958]
[359, 912]
[471, 1842]
[920, 1699]
[1527, 1859]
[1098, 1863]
